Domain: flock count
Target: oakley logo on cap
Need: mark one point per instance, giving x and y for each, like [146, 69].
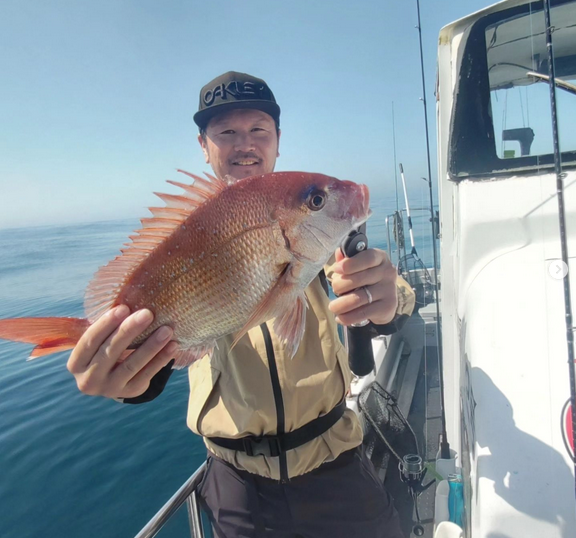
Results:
[238, 90]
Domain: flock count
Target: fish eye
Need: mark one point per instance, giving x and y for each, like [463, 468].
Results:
[316, 200]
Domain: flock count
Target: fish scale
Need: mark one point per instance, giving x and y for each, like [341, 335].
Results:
[206, 311]
[209, 273]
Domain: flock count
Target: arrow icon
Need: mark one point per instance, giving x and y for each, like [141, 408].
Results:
[557, 269]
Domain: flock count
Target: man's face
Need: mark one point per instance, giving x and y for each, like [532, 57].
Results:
[241, 143]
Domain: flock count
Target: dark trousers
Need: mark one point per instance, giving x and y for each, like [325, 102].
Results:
[340, 499]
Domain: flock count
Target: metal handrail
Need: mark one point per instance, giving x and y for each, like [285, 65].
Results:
[387, 224]
[186, 494]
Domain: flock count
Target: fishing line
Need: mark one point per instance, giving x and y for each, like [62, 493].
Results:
[527, 106]
[394, 145]
[521, 106]
[444, 446]
[504, 117]
[561, 220]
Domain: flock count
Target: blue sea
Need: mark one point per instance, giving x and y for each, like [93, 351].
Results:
[80, 466]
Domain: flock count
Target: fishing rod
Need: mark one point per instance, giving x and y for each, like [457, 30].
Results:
[410, 230]
[444, 446]
[561, 219]
[398, 224]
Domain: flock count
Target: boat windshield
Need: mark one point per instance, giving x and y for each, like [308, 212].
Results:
[502, 117]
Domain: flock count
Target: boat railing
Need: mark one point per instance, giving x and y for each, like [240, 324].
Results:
[186, 494]
[392, 234]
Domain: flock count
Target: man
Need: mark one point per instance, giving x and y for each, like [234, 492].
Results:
[284, 457]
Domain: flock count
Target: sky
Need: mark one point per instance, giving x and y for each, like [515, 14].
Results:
[97, 98]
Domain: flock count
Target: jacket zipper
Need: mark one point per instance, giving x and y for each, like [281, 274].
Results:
[278, 400]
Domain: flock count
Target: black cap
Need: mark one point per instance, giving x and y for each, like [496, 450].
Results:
[235, 90]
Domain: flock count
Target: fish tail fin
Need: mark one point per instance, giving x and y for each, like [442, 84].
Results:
[49, 334]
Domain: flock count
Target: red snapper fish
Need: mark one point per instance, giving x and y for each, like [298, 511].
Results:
[222, 257]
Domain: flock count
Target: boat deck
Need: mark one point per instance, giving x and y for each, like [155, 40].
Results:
[417, 387]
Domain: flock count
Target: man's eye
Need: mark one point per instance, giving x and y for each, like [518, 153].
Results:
[227, 131]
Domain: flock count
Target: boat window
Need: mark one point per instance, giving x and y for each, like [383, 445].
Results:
[502, 119]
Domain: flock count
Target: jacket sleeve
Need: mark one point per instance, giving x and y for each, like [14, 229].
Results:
[157, 384]
[406, 303]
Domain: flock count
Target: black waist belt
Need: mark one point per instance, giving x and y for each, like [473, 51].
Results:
[274, 445]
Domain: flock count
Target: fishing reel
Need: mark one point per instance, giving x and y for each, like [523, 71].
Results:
[355, 242]
[412, 473]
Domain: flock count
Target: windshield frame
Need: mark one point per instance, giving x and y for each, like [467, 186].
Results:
[472, 146]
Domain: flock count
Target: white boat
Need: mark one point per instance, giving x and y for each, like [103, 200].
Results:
[505, 361]
[506, 369]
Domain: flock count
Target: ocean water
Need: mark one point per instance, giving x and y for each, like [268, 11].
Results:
[79, 466]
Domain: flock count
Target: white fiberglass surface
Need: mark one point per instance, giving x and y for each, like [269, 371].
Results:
[514, 372]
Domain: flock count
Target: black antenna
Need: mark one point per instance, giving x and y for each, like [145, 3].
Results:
[561, 218]
[444, 446]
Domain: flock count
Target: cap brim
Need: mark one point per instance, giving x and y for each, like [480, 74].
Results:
[202, 117]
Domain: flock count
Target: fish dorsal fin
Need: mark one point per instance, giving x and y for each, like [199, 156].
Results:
[109, 280]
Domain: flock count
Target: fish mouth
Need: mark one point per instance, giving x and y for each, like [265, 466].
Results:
[360, 205]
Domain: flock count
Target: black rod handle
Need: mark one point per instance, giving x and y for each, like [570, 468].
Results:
[360, 353]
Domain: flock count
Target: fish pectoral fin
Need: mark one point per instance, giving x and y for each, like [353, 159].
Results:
[271, 305]
[185, 357]
[289, 326]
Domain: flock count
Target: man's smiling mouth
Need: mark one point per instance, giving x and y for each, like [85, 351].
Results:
[246, 162]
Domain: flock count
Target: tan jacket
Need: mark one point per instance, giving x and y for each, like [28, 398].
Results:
[231, 393]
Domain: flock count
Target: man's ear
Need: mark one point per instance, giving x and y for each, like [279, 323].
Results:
[278, 151]
[204, 147]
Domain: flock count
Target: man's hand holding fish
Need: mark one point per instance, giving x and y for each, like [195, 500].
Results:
[95, 361]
